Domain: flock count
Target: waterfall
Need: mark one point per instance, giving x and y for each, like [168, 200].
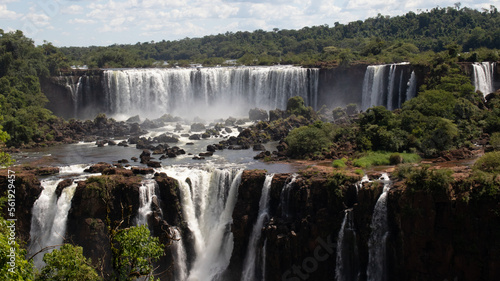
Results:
[179, 255]
[377, 252]
[285, 197]
[347, 267]
[483, 77]
[207, 91]
[411, 91]
[250, 262]
[381, 85]
[75, 91]
[391, 86]
[208, 197]
[48, 222]
[146, 195]
[373, 86]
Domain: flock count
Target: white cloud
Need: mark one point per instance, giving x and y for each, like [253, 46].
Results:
[38, 19]
[6, 14]
[81, 21]
[72, 10]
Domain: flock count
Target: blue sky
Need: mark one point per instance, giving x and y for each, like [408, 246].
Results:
[105, 22]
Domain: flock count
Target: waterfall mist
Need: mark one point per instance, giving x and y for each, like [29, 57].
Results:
[206, 92]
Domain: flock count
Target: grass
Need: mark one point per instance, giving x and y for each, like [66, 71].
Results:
[339, 163]
[378, 158]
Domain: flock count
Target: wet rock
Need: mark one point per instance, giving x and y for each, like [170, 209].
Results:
[259, 147]
[197, 127]
[256, 114]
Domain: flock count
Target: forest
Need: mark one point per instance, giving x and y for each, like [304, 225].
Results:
[381, 39]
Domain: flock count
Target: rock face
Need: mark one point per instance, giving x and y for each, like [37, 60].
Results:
[433, 235]
[445, 237]
[98, 203]
[27, 190]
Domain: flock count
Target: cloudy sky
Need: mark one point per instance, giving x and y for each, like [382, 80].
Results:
[105, 22]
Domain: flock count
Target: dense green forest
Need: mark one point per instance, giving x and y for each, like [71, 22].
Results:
[378, 39]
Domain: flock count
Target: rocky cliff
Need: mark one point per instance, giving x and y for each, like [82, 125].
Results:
[444, 234]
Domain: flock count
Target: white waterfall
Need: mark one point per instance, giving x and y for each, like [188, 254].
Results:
[206, 91]
[377, 252]
[373, 86]
[285, 196]
[179, 255]
[208, 197]
[391, 85]
[146, 195]
[483, 77]
[75, 91]
[383, 85]
[411, 90]
[49, 216]
[347, 250]
[250, 262]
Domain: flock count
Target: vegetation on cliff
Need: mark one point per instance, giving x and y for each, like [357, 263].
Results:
[446, 114]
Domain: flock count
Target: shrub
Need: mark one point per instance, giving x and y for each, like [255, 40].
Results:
[426, 179]
[378, 158]
[489, 163]
[339, 163]
[495, 140]
[306, 140]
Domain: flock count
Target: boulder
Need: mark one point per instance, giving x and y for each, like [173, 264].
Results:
[197, 127]
[257, 114]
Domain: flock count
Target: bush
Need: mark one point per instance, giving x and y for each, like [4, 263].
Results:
[378, 158]
[489, 163]
[495, 140]
[426, 179]
[307, 140]
[339, 163]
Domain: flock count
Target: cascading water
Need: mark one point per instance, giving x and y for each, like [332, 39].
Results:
[179, 255]
[347, 267]
[207, 90]
[285, 197]
[48, 224]
[483, 77]
[50, 213]
[373, 86]
[383, 85]
[208, 197]
[250, 262]
[75, 90]
[377, 252]
[411, 91]
[146, 195]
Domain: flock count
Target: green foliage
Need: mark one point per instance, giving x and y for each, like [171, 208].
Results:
[426, 179]
[489, 163]
[339, 163]
[67, 263]
[21, 100]
[378, 158]
[307, 140]
[379, 39]
[20, 268]
[134, 252]
[495, 140]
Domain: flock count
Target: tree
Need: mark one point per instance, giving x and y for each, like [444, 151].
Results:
[307, 140]
[67, 263]
[134, 251]
[5, 159]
